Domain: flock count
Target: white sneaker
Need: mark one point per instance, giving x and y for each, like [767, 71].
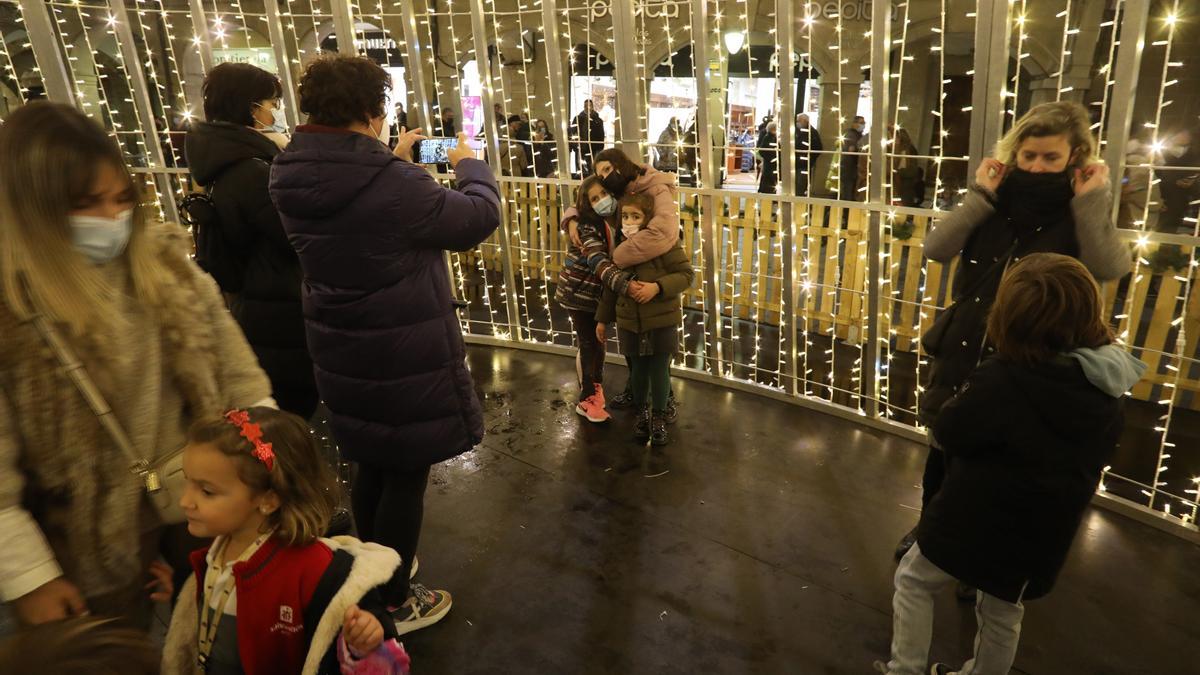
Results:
[423, 609]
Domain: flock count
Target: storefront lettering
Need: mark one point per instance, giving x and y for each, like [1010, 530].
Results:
[657, 10]
[849, 11]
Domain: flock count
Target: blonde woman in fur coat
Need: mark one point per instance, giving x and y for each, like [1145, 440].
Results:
[77, 533]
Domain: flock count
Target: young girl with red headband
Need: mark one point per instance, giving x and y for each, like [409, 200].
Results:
[269, 595]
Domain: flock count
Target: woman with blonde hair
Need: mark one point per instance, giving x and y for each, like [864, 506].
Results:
[77, 530]
[1044, 191]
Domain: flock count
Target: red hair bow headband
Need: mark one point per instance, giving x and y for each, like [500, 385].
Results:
[252, 432]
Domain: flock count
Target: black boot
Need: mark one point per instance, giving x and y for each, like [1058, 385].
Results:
[622, 400]
[658, 428]
[906, 542]
[641, 432]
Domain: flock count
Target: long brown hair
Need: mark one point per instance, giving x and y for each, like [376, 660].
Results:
[50, 155]
[582, 203]
[1048, 304]
[620, 161]
[300, 477]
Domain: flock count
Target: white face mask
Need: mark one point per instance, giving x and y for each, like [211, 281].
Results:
[1178, 150]
[385, 132]
[629, 230]
[606, 206]
[101, 239]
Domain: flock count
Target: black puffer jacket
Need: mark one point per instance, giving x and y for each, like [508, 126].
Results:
[1026, 446]
[234, 164]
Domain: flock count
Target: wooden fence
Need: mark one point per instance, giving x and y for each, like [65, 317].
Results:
[831, 276]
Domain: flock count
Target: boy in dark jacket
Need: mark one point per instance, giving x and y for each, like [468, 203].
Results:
[1026, 439]
[648, 321]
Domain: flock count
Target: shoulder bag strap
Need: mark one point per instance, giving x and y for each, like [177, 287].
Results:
[75, 370]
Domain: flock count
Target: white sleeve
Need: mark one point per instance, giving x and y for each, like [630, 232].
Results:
[26, 560]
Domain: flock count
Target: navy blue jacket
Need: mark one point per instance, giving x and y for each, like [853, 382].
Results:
[387, 348]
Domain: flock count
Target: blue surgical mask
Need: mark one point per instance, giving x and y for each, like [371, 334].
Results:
[101, 239]
[606, 206]
[278, 121]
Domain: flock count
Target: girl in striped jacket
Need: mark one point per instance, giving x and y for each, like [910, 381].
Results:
[586, 271]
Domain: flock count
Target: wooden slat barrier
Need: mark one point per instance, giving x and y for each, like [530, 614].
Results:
[835, 239]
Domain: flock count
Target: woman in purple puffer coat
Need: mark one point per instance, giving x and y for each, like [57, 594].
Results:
[370, 228]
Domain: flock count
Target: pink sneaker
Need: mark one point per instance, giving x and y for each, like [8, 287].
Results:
[592, 411]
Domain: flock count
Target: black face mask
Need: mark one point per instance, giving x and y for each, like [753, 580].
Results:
[1037, 199]
[615, 183]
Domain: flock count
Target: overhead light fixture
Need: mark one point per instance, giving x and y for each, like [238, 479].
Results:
[734, 41]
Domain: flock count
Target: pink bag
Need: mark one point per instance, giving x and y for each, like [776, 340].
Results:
[388, 658]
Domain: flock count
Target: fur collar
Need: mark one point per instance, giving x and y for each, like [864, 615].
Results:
[373, 566]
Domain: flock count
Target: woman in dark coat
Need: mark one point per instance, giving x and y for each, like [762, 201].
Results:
[589, 129]
[545, 152]
[1044, 192]
[230, 155]
[768, 150]
[370, 228]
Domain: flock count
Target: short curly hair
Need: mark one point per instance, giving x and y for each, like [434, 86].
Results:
[337, 91]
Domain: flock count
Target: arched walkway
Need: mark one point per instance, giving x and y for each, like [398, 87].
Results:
[765, 548]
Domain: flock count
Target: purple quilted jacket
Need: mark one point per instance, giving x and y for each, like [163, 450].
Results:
[387, 350]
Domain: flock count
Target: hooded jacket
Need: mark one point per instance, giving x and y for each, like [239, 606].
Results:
[661, 233]
[291, 601]
[370, 230]
[673, 273]
[234, 164]
[1025, 448]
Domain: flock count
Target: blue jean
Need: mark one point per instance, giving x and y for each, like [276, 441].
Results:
[917, 582]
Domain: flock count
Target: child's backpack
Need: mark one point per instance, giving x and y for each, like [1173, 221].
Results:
[214, 253]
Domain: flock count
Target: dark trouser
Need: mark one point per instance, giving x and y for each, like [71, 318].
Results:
[651, 379]
[591, 351]
[848, 186]
[801, 180]
[389, 505]
[768, 181]
[935, 475]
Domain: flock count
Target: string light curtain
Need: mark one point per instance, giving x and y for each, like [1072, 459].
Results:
[20, 77]
[787, 283]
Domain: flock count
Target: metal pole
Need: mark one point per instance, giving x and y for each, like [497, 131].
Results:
[291, 103]
[415, 70]
[492, 135]
[786, 68]
[56, 78]
[630, 133]
[559, 114]
[343, 26]
[708, 174]
[144, 107]
[991, 71]
[1124, 76]
[203, 36]
[881, 50]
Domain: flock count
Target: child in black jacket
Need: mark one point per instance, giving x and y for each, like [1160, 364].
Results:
[1026, 439]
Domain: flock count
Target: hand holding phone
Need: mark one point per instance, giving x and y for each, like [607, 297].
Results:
[461, 151]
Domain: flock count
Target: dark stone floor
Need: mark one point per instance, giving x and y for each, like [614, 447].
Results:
[765, 547]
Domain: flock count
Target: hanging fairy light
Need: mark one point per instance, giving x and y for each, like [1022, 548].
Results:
[6, 57]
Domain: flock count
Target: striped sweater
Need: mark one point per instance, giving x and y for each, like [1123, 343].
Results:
[586, 271]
